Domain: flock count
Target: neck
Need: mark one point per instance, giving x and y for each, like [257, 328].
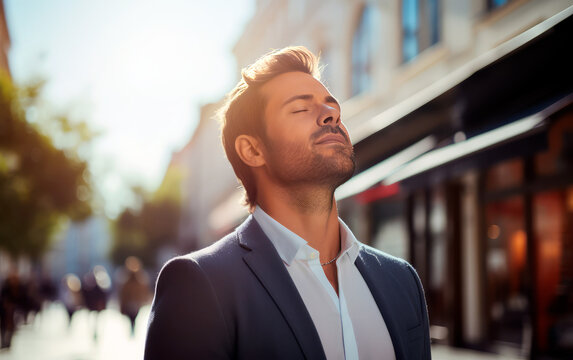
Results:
[310, 213]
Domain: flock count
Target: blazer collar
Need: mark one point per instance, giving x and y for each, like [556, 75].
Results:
[265, 263]
[381, 289]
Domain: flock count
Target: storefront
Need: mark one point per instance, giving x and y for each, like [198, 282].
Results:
[476, 192]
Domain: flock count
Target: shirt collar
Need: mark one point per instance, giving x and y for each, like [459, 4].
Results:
[288, 244]
[350, 245]
[285, 241]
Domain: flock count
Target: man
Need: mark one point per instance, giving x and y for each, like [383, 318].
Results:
[291, 282]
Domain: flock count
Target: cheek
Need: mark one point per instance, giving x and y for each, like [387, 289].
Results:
[287, 146]
[292, 132]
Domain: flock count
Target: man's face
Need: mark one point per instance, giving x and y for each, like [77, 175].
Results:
[305, 141]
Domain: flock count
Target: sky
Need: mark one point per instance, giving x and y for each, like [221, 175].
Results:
[136, 70]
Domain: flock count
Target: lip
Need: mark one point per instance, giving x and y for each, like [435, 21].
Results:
[332, 139]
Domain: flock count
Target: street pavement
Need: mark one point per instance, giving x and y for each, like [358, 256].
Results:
[48, 337]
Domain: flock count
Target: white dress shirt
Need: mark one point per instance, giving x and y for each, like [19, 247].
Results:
[349, 325]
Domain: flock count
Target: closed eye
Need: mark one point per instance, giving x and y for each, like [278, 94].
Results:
[299, 111]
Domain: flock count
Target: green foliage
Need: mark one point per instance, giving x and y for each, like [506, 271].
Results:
[144, 232]
[170, 188]
[155, 225]
[40, 184]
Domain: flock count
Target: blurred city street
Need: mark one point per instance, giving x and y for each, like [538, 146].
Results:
[117, 125]
[49, 338]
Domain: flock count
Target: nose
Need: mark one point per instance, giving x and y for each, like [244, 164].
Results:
[329, 115]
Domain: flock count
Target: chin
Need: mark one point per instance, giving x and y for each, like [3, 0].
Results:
[344, 177]
[342, 171]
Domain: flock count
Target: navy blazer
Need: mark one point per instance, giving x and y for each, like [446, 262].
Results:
[236, 300]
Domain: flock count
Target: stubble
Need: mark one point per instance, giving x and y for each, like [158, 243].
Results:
[294, 164]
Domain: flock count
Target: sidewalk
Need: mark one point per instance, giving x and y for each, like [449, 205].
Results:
[442, 352]
[48, 338]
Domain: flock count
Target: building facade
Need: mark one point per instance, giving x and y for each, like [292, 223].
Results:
[462, 118]
[209, 186]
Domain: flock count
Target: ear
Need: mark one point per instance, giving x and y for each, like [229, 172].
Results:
[249, 150]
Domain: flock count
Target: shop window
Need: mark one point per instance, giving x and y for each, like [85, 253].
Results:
[429, 225]
[363, 47]
[420, 26]
[438, 264]
[419, 220]
[390, 233]
[506, 255]
[553, 222]
[506, 175]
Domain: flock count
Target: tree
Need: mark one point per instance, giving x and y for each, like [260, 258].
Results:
[40, 184]
[142, 233]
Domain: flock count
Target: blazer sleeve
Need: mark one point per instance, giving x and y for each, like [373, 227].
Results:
[186, 321]
[426, 350]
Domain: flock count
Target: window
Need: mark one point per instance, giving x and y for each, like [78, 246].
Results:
[420, 26]
[552, 215]
[494, 4]
[506, 271]
[363, 50]
[390, 233]
[505, 175]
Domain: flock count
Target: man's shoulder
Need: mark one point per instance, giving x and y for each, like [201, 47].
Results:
[373, 257]
[378, 263]
[222, 249]
[223, 252]
[211, 262]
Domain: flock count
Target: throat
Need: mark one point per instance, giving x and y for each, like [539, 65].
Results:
[312, 201]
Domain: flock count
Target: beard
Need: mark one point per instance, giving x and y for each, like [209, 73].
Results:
[293, 163]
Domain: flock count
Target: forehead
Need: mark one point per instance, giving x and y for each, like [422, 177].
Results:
[286, 85]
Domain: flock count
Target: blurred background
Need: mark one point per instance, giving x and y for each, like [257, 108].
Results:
[461, 112]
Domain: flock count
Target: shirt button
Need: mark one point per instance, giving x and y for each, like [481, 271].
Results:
[313, 255]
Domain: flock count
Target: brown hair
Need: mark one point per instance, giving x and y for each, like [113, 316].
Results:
[243, 111]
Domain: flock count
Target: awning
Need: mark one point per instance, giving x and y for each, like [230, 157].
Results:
[395, 169]
[457, 151]
[487, 143]
[380, 171]
[419, 159]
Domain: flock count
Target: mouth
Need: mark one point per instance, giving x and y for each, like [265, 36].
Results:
[332, 139]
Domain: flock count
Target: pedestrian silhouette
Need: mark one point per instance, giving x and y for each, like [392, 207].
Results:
[95, 287]
[135, 291]
[11, 299]
[71, 295]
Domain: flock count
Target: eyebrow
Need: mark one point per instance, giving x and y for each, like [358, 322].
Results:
[328, 99]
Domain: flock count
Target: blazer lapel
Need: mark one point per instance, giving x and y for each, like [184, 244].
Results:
[381, 289]
[265, 263]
